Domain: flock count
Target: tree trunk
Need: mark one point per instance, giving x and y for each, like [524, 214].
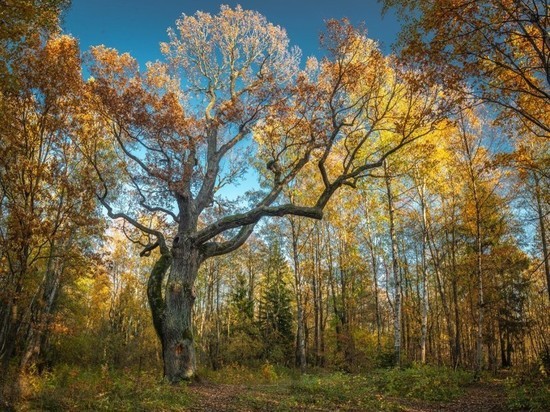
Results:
[215, 354]
[41, 312]
[42, 307]
[481, 305]
[300, 336]
[11, 313]
[479, 275]
[396, 274]
[316, 321]
[298, 286]
[318, 302]
[542, 228]
[457, 353]
[424, 310]
[177, 340]
[374, 264]
[443, 297]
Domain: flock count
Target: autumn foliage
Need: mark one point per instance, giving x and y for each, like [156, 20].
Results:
[235, 207]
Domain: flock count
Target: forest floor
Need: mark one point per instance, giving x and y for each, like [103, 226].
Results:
[487, 396]
[478, 397]
[270, 388]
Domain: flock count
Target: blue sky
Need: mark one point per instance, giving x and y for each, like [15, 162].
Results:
[138, 26]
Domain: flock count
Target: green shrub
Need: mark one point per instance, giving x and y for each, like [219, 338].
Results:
[71, 389]
[425, 382]
[531, 395]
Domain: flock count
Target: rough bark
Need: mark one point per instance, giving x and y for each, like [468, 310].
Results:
[177, 332]
[154, 292]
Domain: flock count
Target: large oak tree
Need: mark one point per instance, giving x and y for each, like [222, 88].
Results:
[231, 98]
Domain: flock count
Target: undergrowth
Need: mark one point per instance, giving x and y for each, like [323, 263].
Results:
[71, 389]
[531, 393]
[425, 382]
[264, 387]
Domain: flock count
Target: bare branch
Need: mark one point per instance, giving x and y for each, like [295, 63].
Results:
[129, 219]
[148, 249]
[252, 217]
[152, 208]
[211, 249]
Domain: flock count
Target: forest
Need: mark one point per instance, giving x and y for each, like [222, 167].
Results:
[239, 227]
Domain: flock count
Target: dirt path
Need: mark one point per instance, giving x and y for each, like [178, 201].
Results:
[214, 397]
[482, 397]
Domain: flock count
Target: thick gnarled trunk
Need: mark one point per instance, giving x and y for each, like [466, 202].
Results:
[172, 314]
[172, 311]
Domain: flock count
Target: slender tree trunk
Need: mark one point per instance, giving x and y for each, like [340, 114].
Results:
[300, 335]
[444, 301]
[40, 312]
[11, 311]
[424, 310]
[345, 316]
[479, 275]
[375, 282]
[377, 310]
[480, 302]
[474, 177]
[542, 228]
[316, 321]
[335, 309]
[298, 286]
[396, 274]
[251, 279]
[319, 309]
[457, 353]
[216, 355]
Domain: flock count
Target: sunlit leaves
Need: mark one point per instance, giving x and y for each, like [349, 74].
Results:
[500, 48]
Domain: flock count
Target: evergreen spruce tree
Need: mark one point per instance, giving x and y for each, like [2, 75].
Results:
[241, 303]
[275, 317]
[244, 340]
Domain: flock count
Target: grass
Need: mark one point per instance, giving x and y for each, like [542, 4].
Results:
[340, 390]
[266, 387]
[378, 390]
[73, 389]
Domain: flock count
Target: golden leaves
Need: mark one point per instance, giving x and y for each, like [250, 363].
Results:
[47, 190]
[498, 48]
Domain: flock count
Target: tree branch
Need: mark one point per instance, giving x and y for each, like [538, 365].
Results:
[152, 208]
[210, 249]
[252, 217]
